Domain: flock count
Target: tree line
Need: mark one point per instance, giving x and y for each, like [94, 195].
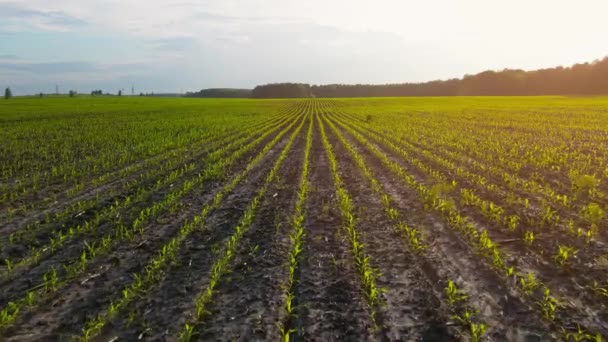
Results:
[72, 93]
[579, 79]
[282, 90]
[221, 93]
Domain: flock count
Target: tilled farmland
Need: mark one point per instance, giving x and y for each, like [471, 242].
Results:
[305, 219]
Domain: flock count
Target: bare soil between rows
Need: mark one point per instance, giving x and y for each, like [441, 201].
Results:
[330, 301]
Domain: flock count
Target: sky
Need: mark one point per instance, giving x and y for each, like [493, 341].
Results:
[175, 46]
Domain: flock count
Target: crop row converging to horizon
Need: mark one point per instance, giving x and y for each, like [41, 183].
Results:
[308, 219]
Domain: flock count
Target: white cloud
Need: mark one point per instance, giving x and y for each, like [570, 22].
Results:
[16, 18]
[242, 43]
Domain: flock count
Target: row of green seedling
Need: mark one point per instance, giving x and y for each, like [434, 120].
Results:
[222, 264]
[60, 237]
[494, 213]
[151, 162]
[130, 168]
[178, 154]
[367, 273]
[548, 210]
[478, 239]
[414, 237]
[415, 241]
[296, 239]
[95, 250]
[591, 213]
[156, 267]
[28, 233]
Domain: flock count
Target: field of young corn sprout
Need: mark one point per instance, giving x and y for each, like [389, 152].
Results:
[435, 219]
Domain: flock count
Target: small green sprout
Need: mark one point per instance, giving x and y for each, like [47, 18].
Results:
[453, 294]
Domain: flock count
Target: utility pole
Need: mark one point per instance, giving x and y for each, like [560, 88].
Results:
[132, 90]
[56, 89]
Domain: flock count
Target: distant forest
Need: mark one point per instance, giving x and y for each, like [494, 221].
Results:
[579, 79]
[221, 92]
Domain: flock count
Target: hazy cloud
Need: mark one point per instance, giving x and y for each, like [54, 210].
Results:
[175, 43]
[16, 17]
[168, 44]
[52, 68]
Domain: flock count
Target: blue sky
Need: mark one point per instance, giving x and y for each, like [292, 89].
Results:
[167, 46]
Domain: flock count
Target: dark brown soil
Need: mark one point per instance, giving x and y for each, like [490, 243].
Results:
[330, 305]
[330, 302]
[64, 315]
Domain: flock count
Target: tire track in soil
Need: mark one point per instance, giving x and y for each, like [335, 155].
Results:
[328, 298]
[508, 316]
[161, 314]
[412, 311]
[59, 317]
[248, 304]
